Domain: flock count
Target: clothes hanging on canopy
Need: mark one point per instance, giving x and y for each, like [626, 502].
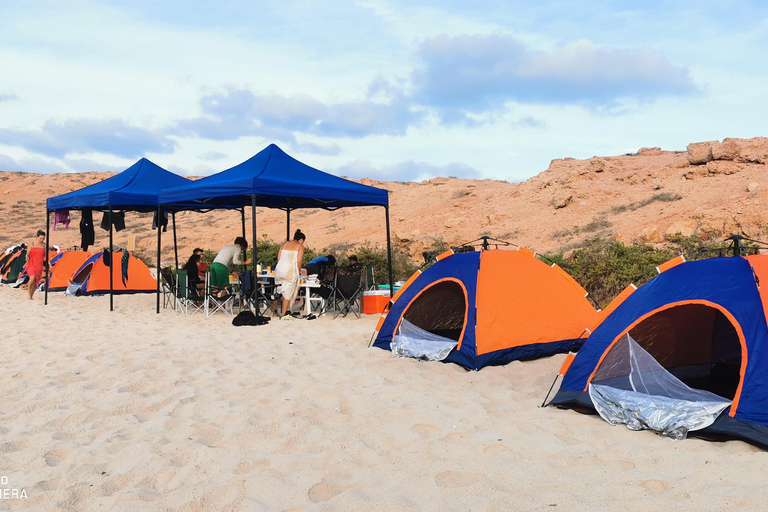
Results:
[124, 266]
[87, 235]
[118, 221]
[61, 217]
[163, 221]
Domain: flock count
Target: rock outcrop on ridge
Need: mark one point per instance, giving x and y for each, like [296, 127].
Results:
[712, 190]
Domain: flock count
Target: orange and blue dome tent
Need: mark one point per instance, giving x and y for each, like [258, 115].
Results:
[697, 327]
[485, 308]
[93, 275]
[63, 267]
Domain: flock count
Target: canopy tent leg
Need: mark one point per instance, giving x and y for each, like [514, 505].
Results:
[112, 264]
[242, 219]
[47, 245]
[389, 257]
[159, 276]
[175, 247]
[253, 230]
[288, 224]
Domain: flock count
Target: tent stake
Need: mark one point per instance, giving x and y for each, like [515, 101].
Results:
[544, 403]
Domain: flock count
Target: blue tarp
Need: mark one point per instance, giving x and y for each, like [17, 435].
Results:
[276, 180]
[133, 189]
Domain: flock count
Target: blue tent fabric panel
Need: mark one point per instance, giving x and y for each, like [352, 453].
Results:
[463, 267]
[727, 282]
[523, 353]
[277, 180]
[136, 188]
[90, 261]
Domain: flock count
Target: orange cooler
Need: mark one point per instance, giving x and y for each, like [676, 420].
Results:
[374, 301]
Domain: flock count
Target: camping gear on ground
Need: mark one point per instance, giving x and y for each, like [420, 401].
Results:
[248, 318]
[93, 276]
[494, 306]
[13, 264]
[701, 323]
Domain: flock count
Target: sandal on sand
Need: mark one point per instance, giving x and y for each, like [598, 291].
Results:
[287, 317]
[310, 316]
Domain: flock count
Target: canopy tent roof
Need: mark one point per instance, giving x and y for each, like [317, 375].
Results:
[135, 189]
[275, 180]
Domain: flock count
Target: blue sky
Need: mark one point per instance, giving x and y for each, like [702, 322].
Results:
[374, 88]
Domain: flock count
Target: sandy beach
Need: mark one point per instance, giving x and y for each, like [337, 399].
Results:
[131, 410]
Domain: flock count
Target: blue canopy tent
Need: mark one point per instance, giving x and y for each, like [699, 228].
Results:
[273, 179]
[134, 189]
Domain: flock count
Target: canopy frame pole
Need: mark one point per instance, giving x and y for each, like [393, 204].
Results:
[389, 256]
[175, 247]
[47, 245]
[159, 274]
[288, 224]
[112, 264]
[242, 219]
[255, 252]
[253, 231]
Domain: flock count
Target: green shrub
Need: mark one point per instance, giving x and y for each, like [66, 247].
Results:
[604, 268]
[402, 266]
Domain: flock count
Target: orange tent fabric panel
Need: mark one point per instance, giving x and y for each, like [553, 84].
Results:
[669, 264]
[528, 252]
[570, 280]
[520, 301]
[65, 268]
[405, 286]
[139, 276]
[759, 264]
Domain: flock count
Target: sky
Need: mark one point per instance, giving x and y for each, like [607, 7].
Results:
[378, 89]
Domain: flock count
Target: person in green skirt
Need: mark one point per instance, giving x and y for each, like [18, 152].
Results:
[220, 267]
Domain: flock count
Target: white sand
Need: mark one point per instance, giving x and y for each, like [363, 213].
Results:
[136, 411]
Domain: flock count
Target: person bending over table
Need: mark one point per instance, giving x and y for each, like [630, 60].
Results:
[319, 265]
[220, 266]
[287, 274]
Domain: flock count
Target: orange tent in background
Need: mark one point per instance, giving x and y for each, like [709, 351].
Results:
[63, 268]
[492, 307]
[93, 275]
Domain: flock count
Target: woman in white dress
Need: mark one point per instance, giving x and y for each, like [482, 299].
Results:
[287, 277]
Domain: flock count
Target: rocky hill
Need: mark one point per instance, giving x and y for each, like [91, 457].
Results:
[712, 189]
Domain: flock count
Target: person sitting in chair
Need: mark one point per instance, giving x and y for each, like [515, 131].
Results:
[353, 265]
[201, 266]
[193, 276]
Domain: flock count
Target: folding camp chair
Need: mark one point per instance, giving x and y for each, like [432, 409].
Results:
[168, 287]
[348, 286]
[370, 280]
[213, 303]
[188, 301]
[254, 298]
